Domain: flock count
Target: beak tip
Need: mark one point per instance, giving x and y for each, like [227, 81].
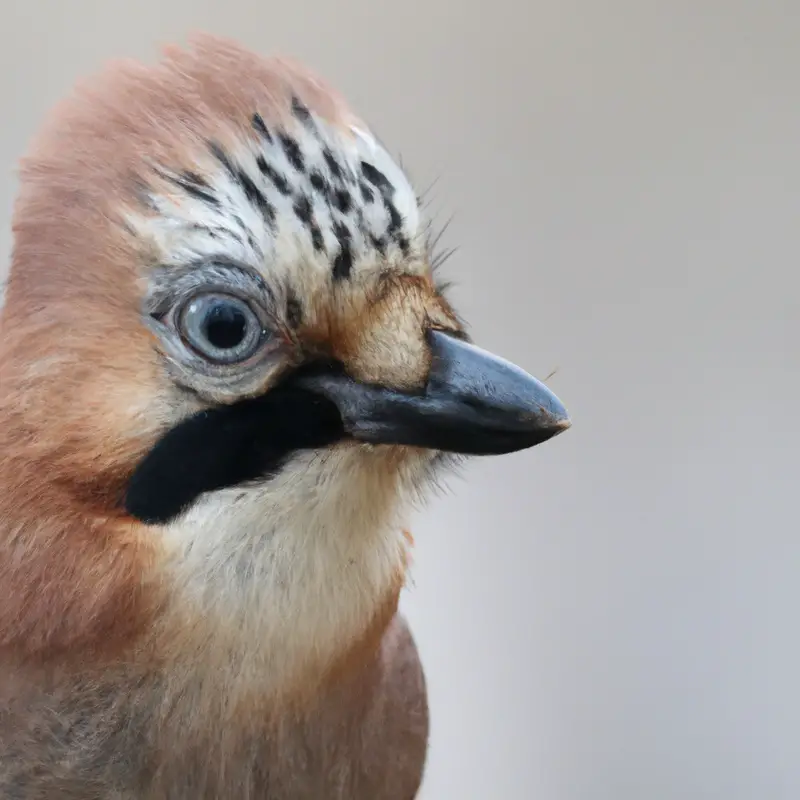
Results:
[550, 411]
[562, 425]
[562, 420]
[554, 426]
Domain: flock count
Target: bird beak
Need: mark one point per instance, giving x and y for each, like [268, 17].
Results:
[474, 403]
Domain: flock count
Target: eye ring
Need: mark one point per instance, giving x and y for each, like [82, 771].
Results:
[220, 327]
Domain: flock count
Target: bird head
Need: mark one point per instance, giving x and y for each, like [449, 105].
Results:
[225, 368]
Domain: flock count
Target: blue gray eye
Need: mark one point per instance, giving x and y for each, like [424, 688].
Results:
[220, 327]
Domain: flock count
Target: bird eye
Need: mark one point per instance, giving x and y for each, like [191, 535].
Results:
[220, 327]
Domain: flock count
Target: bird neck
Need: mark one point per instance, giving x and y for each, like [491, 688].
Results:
[286, 582]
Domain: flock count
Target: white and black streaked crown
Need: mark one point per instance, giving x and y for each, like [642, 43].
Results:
[306, 193]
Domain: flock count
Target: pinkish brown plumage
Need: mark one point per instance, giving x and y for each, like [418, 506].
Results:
[225, 371]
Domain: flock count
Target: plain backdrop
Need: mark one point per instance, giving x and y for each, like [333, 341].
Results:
[611, 616]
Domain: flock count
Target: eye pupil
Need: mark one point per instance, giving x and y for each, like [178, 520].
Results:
[225, 325]
[221, 328]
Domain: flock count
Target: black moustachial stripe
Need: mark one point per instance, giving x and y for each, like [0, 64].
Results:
[228, 446]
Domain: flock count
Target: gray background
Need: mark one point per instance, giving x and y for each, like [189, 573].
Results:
[610, 616]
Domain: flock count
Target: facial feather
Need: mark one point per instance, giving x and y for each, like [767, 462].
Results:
[216, 154]
[226, 371]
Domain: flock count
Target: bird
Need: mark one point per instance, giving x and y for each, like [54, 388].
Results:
[228, 370]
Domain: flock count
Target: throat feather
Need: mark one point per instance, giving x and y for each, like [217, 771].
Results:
[287, 580]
